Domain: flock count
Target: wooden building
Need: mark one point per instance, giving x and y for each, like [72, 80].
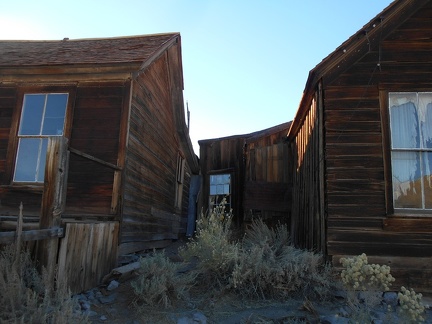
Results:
[250, 171]
[118, 102]
[360, 145]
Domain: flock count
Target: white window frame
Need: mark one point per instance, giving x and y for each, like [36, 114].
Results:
[404, 181]
[220, 186]
[41, 136]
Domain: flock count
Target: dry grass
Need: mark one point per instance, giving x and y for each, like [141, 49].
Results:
[23, 297]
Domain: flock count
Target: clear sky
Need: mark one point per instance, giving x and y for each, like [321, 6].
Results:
[245, 62]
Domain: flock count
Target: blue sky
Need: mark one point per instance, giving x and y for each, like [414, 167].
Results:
[245, 63]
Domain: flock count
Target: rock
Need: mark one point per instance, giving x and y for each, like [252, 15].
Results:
[199, 318]
[90, 313]
[113, 285]
[103, 318]
[85, 305]
[334, 319]
[195, 318]
[390, 298]
[108, 299]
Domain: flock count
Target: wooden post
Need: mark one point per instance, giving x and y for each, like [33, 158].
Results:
[53, 201]
[19, 231]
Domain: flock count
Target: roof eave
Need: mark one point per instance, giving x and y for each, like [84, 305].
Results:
[352, 50]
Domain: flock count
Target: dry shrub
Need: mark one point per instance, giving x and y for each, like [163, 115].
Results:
[270, 267]
[262, 265]
[160, 282]
[23, 297]
[214, 247]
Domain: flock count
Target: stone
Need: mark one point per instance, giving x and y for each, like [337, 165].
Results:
[199, 318]
[391, 298]
[108, 299]
[113, 285]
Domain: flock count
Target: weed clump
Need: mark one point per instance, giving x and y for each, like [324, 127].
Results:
[213, 247]
[24, 298]
[159, 281]
[269, 266]
[359, 275]
[411, 307]
[261, 265]
[365, 283]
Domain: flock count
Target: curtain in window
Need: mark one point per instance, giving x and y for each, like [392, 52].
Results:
[425, 105]
[405, 164]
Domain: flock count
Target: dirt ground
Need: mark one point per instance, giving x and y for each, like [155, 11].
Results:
[225, 308]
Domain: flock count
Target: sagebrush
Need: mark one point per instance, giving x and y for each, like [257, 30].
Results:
[159, 281]
[24, 297]
[263, 264]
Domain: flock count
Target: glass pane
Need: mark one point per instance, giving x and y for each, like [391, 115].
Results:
[41, 168]
[425, 117]
[226, 189]
[404, 126]
[26, 164]
[406, 180]
[219, 179]
[32, 114]
[54, 114]
[219, 189]
[213, 190]
[213, 179]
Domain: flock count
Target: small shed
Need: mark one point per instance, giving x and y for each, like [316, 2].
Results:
[117, 104]
[360, 147]
[250, 171]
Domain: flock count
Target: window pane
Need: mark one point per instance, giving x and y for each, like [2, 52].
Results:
[213, 179]
[54, 114]
[406, 180]
[227, 189]
[27, 159]
[32, 114]
[404, 126]
[425, 116]
[212, 190]
[219, 189]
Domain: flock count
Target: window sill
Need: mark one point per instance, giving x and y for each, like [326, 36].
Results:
[35, 188]
[408, 224]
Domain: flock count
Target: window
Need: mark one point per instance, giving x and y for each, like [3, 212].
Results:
[220, 187]
[42, 115]
[411, 149]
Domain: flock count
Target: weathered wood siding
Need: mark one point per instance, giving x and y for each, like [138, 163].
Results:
[83, 268]
[357, 164]
[153, 148]
[307, 219]
[267, 192]
[96, 131]
[225, 155]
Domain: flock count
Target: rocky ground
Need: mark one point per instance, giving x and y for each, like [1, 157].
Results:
[114, 303]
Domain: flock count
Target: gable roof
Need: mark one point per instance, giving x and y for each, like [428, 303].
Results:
[133, 49]
[353, 49]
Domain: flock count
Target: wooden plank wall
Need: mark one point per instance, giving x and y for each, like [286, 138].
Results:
[267, 193]
[224, 155]
[307, 223]
[83, 268]
[153, 148]
[358, 218]
[7, 105]
[95, 131]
